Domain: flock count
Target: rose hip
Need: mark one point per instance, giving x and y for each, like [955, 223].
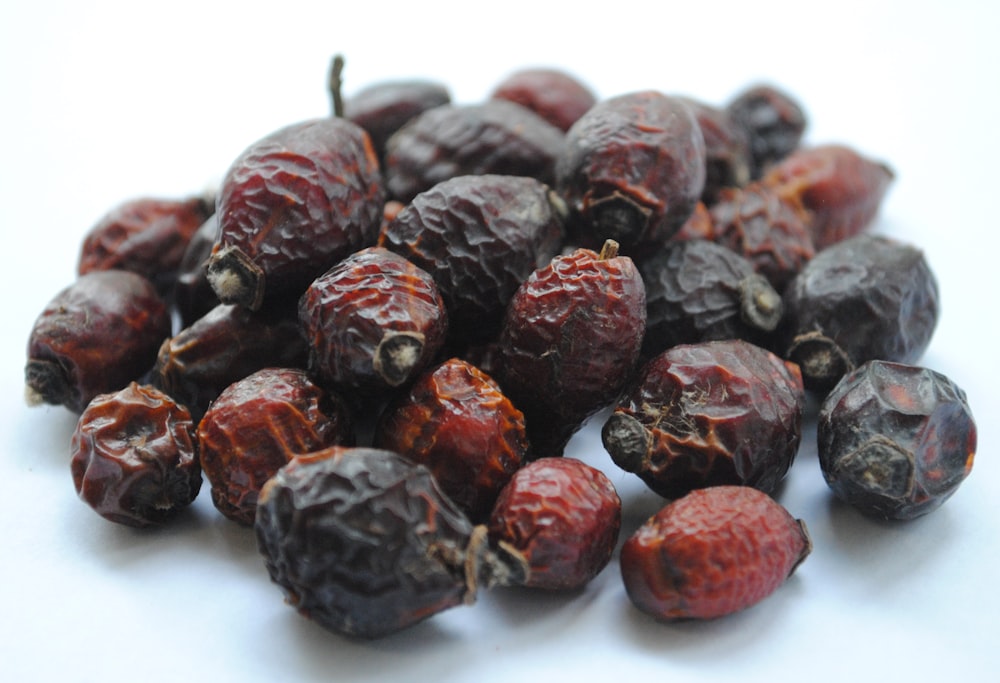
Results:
[727, 149]
[557, 96]
[774, 123]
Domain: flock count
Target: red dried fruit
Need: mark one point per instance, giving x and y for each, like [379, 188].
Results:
[134, 457]
[557, 96]
[257, 425]
[727, 149]
[94, 337]
[714, 552]
[774, 123]
[895, 440]
[455, 421]
[699, 415]
[633, 168]
[563, 516]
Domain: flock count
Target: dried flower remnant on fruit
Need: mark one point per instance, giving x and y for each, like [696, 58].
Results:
[363, 542]
[563, 516]
[774, 121]
[709, 414]
[712, 553]
[94, 337]
[895, 440]
[554, 94]
[134, 457]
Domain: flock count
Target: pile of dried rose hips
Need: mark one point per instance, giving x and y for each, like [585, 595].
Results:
[377, 339]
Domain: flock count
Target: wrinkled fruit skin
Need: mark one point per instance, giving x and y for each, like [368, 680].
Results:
[192, 294]
[134, 457]
[727, 149]
[700, 415]
[633, 168]
[363, 542]
[895, 440]
[373, 322]
[712, 553]
[256, 426]
[456, 422]
[555, 95]
[94, 337]
[774, 123]
[866, 298]
[383, 108]
[571, 337]
[563, 516]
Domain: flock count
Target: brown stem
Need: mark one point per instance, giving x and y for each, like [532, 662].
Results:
[609, 250]
[335, 85]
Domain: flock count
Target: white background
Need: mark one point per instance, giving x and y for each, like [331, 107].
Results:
[104, 102]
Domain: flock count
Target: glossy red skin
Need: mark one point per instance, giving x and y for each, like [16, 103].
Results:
[300, 199]
[94, 337]
[712, 553]
[555, 95]
[457, 422]
[134, 457]
[563, 516]
[256, 426]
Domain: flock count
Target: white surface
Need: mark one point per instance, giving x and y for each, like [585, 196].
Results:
[103, 103]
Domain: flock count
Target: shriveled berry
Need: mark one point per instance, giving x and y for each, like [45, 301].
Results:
[556, 95]
[384, 107]
[563, 516]
[193, 295]
[257, 425]
[727, 149]
[712, 553]
[373, 322]
[94, 337]
[495, 137]
[363, 542]
[570, 340]
[633, 168]
[134, 457]
[870, 297]
[457, 422]
[700, 415]
[774, 121]
[895, 440]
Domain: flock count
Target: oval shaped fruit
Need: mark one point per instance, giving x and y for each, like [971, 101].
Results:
[774, 122]
[384, 107]
[556, 95]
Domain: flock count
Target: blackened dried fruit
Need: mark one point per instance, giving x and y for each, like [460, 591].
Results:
[698, 290]
[134, 457]
[495, 137]
[479, 237]
[363, 542]
[570, 340]
[895, 440]
[709, 414]
[373, 322]
[457, 422]
[633, 168]
[384, 107]
[257, 425]
[563, 516]
[712, 553]
[727, 149]
[556, 95]
[94, 337]
[870, 297]
[292, 205]
[193, 295]
[774, 122]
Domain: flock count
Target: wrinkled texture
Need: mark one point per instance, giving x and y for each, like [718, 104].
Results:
[557, 96]
[727, 149]
[383, 108]
[193, 295]
[774, 122]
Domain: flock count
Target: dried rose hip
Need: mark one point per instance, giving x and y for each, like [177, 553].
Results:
[702, 291]
[563, 516]
[866, 298]
[255, 427]
[457, 422]
[895, 440]
[495, 137]
[134, 456]
[699, 415]
[774, 123]
[373, 322]
[714, 552]
[633, 167]
[727, 149]
[193, 295]
[363, 542]
[557, 96]
[292, 205]
[479, 237]
[571, 337]
[94, 337]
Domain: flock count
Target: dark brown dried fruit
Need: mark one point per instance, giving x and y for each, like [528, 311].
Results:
[383, 108]
[866, 298]
[455, 421]
[713, 552]
[700, 415]
[556, 95]
[193, 295]
[774, 122]
[727, 149]
[257, 425]
[94, 337]
[134, 456]
[633, 168]
[570, 340]
[563, 516]
[364, 542]
[895, 440]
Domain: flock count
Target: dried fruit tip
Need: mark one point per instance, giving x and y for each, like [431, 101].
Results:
[235, 278]
[45, 382]
[487, 566]
[821, 360]
[397, 355]
[609, 250]
[760, 303]
[619, 217]
[626, 440]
